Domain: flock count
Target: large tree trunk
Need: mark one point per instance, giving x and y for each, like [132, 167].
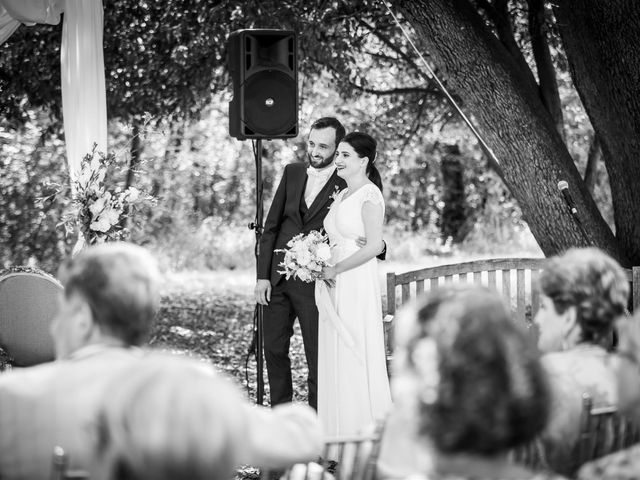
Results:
[601, 41]
[513, 121]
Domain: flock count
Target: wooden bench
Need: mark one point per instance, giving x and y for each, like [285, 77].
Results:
[514, 278]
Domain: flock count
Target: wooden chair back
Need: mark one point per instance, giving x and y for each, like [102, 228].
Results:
[355, 458]
[603, 430]
[343, 458]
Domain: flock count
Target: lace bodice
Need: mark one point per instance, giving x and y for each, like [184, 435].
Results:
[344, 222]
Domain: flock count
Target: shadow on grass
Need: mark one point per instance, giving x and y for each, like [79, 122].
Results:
[218, 327]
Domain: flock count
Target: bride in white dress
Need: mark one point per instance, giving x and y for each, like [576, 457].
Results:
[353, 386]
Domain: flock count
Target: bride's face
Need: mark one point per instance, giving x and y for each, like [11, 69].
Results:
[348, 163]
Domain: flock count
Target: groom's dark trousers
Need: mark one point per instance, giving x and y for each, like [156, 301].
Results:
[290, 299]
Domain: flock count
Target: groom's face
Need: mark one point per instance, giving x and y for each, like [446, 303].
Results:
[321, 147]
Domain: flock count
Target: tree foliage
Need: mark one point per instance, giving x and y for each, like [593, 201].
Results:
[509, 64]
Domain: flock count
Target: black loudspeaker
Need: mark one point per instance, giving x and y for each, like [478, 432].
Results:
[263, 68]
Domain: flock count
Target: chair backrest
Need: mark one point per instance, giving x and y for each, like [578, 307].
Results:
[60, 467]
[343, 458]
[352, 458]
[603, 430]
[28, 303]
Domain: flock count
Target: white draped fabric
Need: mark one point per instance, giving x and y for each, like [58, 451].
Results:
[8, 25]
[84, 101]
[31, 12]
[14, 13]
[82, 67]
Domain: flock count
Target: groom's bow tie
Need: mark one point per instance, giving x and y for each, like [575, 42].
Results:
[319, 173]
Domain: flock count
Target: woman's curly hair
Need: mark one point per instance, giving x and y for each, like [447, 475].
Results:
[492, 394]
[594, 283]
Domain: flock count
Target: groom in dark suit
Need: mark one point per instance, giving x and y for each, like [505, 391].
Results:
[300, 204]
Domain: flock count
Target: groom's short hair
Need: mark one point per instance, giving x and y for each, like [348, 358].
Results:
[330, 122]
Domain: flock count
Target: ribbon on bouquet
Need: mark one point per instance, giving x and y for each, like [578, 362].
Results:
[328, 313]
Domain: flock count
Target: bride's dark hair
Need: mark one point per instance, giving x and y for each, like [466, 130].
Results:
[365, 146]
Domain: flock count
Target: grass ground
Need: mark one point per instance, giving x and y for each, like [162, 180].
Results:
[209, 315]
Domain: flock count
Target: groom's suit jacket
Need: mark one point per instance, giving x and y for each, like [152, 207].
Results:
[289, 216]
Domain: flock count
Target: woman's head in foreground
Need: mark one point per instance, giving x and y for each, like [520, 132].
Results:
[169, 418]
[473, 375]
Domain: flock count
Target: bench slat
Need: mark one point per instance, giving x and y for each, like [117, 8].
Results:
[391, 293]
[406, 293]
[467, 267]
[520, 295]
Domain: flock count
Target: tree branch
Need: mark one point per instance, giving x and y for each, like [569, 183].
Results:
[387, 41]
[397, 91]
[498, 13]
[549, 93]
[595, 154]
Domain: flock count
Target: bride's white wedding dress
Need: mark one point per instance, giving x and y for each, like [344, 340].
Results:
[353, 386]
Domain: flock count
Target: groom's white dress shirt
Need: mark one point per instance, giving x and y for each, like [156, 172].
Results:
[317, 179]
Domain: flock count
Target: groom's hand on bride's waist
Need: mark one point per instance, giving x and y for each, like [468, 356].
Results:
[262, 292]
[362, 241]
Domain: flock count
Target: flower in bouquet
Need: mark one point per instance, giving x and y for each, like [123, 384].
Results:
[305, 256]
[99, 211]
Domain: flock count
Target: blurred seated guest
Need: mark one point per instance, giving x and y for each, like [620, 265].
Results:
[107, 309]
[625, 464]
[170, 418]
[468, 387]
[583, 293]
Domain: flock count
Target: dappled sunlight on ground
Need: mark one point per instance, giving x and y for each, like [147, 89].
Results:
[209, 315]
[220, 281]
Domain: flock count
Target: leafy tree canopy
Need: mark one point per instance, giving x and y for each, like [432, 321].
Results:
[509, 63]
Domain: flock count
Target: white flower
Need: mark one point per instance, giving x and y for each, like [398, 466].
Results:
[132, 194]
[305, 276]
[304, 258]
[98, 206]
[100, 225]
[299, 248]
[112, 215]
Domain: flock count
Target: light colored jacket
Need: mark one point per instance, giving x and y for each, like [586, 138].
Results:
[55, 404]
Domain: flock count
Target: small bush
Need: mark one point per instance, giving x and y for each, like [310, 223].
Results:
[212, 245]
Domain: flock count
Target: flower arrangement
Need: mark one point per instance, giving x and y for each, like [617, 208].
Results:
[335, 193]
[305, 256]
[98, 211]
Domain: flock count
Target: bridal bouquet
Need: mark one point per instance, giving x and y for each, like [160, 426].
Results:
[305, 256]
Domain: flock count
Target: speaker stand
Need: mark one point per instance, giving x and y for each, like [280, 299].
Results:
[257, 227]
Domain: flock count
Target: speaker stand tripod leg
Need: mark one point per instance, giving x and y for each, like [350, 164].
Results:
[257, 226]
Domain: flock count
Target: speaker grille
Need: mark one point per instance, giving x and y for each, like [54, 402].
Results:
[270, 102]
